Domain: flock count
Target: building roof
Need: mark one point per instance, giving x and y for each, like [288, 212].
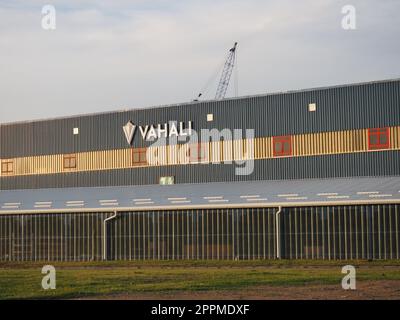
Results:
[287, 193]
[189, 103]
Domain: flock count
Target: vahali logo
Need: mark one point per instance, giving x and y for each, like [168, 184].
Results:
[152, 132]
[129, 130]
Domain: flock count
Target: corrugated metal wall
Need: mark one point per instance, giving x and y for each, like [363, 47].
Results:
[312, 144]
[342, 165]
[194, 234]
[52, 237]
[342, 232]
[338, 108]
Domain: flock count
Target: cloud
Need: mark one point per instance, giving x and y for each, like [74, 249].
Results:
[113, 55]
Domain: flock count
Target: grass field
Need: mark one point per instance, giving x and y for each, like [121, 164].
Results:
[199, 279]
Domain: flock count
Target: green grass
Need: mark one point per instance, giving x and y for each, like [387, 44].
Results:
[22, 280]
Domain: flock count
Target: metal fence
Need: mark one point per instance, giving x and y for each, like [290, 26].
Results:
[51, 237]
[340, 232]
[194, 234]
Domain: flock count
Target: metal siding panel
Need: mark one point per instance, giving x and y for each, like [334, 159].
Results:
[338, 108]
[340, 165]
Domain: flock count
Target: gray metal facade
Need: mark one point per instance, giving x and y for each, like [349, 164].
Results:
[375, 104]
[300, 224]
[339, 108]
[342, 165]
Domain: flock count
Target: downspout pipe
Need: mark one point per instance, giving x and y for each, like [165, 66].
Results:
[105, 234]
[277, 232]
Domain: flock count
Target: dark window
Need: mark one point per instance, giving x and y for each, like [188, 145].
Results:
[139, 156]
[69, 161]
[378, 138]
[282, 146]
[7, 167]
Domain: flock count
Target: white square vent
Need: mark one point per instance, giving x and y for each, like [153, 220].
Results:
[210, 117]
[312, 107]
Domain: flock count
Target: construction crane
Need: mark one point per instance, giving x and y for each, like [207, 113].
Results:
[226, 73]
[225, 76]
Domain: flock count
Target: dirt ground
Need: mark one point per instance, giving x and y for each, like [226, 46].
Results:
[365, 290]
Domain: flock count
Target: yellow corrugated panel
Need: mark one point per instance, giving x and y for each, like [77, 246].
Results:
[322, 142]
[237, 149]
[214, 149]
[172, 154]
[183, 153]
[395, 137]
[248, 149]
[227, 151]
[296, 145]
[216, 152]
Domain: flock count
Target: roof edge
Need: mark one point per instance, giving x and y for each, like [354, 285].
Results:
[189, 103]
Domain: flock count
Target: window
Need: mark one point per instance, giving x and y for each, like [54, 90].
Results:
[378, 138]
[167, 180]
[197, 152]
[69, 161]
[139, 157]
[210, 117]
[312, 107]
[282, 146]
[7, 167]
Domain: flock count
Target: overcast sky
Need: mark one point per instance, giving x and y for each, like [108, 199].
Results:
[111, 55]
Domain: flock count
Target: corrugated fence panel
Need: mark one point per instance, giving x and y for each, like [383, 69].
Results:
[341, 232]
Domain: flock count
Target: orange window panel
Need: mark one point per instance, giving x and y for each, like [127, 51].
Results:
[69, 161]
[139, 156]
[7, 167]
[378, 138]
[282, 146]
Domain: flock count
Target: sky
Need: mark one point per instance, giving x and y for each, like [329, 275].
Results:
[114, 55]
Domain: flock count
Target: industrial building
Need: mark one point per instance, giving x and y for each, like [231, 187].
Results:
[308, 174]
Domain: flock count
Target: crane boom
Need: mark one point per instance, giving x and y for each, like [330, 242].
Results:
[226, 73]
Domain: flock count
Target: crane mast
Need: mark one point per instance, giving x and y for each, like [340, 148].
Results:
[226, 73]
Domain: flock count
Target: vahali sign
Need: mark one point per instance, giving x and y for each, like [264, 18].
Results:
[152, 132]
